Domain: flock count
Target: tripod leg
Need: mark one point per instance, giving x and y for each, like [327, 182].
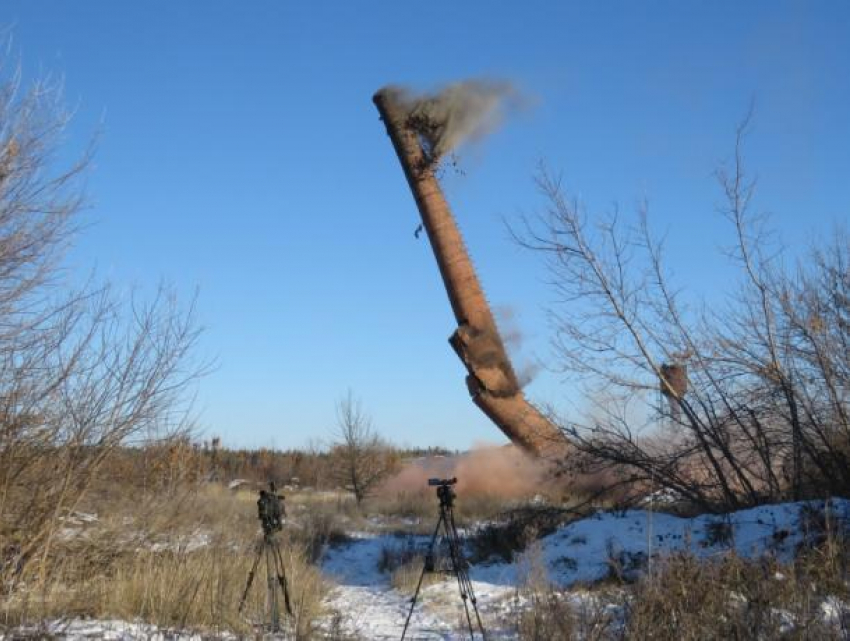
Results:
[457, 560]
[281, 578]
[463, 579]
[272, 593]
[466, 590]
[458, 572]
[421, 576]
[250, 578]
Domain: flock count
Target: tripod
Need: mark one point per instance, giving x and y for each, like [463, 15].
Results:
[449, 529]
[275, 577]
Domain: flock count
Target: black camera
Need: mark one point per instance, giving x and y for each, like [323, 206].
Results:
[270, 510]
[444, 491]
[435, 482]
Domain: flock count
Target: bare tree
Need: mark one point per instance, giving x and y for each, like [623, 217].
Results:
[763, 415]
[362, 459]
[80, 372]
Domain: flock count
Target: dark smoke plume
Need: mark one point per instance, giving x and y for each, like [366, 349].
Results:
[459, 112]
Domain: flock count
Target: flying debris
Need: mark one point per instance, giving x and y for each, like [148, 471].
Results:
[457, 113]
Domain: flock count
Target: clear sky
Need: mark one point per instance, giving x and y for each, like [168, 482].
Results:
[240, 153]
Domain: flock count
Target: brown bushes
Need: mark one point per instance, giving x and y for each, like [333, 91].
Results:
[686, 598]
[737, 599]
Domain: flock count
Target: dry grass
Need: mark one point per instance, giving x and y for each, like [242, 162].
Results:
[729, 599]
[420, 504]
[318, 527]
[405, 577]
[543, 611]
[177, 562]
[689, 599]
[417, 511]
[173, 589]
[404, 564]
[181, 562]
[733, 597]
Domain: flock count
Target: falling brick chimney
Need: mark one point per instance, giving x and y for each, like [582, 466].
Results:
[491, 380]
[673, 383]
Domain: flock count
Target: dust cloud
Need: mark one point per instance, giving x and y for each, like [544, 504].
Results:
[525, 367]
[459, 112]
[504, 471]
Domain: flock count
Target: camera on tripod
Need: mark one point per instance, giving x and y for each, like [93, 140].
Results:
[444, 490]
[270, 510]
[459, 566]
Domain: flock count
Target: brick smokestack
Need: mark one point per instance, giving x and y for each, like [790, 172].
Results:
[491, 380]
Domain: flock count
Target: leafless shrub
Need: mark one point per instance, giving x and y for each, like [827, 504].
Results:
[81, 373]
[362, 458]
[764, 414]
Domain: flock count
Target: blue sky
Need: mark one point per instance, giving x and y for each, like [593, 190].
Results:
[239, 153]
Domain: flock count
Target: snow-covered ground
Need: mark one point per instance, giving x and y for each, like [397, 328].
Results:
[580, 552]
[577, 553]
[373, 610]
[109, 630]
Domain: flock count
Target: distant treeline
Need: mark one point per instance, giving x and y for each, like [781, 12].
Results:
[181, 460]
